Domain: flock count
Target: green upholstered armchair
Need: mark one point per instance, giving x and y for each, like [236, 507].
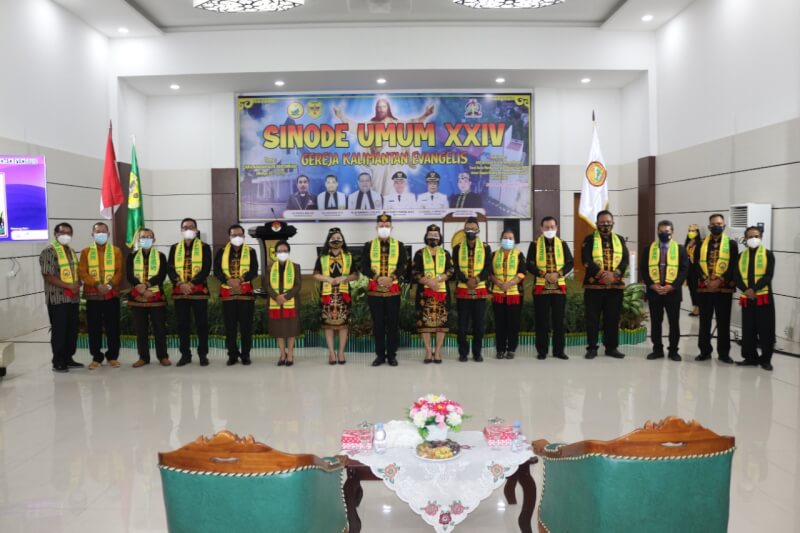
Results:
[671, 476]
[237, 485]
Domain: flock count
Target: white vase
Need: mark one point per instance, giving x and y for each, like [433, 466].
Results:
[436, 433]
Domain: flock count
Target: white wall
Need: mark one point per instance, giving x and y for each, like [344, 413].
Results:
[54, 98]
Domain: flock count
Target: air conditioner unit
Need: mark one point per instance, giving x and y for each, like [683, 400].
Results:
[742, 216]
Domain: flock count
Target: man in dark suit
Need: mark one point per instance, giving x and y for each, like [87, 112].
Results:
[301, 200]
[664, 269]
[466, 198]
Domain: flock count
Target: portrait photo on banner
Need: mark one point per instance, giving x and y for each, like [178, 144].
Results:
[353, 156]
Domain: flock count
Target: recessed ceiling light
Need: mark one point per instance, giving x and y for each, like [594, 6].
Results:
[123, 30]
[499, 80]
[174, 86]
[280, 83]
[647, 18]
[586, 80]
[381, 81]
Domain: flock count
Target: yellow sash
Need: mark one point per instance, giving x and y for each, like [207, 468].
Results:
[759, 269]
[288, 284]
[244, 262]
[597, 251]
[375, 263]
[436, 269]
[724, 256]
[506, 272]
[93, 262]
[672, 262]
[477, 264]
[66, 262]
[197, 259]
[325, 263]
[541, 259]
[153, 266]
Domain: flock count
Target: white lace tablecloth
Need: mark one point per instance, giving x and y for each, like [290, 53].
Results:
[444, 493]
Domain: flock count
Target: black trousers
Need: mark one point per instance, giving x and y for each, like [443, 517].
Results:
[385, 311]
[658, 305]
[238, 315]
[691, 282]
[474, 310]
[715, 304]
[545, 307]
[63, 332]
[103, 315]
[606, 302]
[506, 326]
[144, 317]
[183, 308]
[758, 331]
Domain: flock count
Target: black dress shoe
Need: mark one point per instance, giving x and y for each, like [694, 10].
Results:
[501, 355]
[590, 354]
[281, 362]
[655, 355]
[703, 357]
[184, 360]
[541, 356]
[437, 361]
[378, 361]
[727, 360]
[427, 361]
[72, 363]
[232, 360]
[748, 362]
[477, 358]
[60, 368]
[674, 356]
[463, 358]
[204, 361]
[767, 366]
[342, 361]
[246, 360]
[289, 363]
[561, 356]
[510, 355]
[393, 362]
[616, 354]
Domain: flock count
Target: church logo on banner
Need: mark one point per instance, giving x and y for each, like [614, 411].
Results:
[596, 173]
[594, 191]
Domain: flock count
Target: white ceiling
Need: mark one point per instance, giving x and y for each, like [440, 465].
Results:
[152, 17]
[474, 80]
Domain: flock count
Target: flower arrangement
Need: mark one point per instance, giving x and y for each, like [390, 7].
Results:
[436, 410]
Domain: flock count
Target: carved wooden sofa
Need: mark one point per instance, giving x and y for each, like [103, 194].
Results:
[671, 476]
[237, 485]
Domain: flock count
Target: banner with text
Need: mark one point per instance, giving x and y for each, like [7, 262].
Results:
[416, 156]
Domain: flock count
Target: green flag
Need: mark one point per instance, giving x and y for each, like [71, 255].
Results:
[135, 209]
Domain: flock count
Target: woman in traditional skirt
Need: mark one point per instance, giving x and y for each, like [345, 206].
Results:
[432, 268]
[283, 287]
[334, 269]
[508, 273]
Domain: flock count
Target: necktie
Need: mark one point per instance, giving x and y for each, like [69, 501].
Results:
[461, 200]
[398, 198]
[359, 200]
[662, 264]
[431, 197]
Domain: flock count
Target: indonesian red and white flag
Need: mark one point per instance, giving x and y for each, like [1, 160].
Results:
[111, 196]
[594, 192]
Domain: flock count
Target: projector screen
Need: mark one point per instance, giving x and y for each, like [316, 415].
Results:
[23, 199]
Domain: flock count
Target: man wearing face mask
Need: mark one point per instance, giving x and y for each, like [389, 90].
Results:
[664, 269]
[550, 260]
[471, 260]
[693, 241]
[383, 260]
[100, 270]
[189, 265]
[236, 266]
[605, 258]
[715, 265]
[756, 268]
[146, 270]
[62, 289]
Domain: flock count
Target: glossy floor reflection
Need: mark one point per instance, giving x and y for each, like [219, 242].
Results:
[78, 451]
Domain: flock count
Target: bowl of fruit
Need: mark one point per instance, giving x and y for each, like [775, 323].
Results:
[438, 450]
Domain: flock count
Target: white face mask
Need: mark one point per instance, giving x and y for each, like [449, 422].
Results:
[237, 241]
[189, 234]
[283, 257]
[753, 242]
[384, 233]
[507, 244]
[549, 234]
[64, 239]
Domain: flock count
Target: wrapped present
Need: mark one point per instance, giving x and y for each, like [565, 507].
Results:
[497, 436]
[356, 439]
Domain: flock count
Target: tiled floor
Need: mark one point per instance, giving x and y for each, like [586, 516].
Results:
[78, 451]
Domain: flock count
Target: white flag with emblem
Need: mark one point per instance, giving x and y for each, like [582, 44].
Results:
[594, 192]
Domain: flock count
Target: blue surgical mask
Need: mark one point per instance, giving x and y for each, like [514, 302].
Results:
[101, 238]
[145, 243]
[507, 244]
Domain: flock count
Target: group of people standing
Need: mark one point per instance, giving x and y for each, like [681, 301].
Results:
[477, 273]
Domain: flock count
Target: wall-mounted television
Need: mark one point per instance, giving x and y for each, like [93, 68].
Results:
[23, 198]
